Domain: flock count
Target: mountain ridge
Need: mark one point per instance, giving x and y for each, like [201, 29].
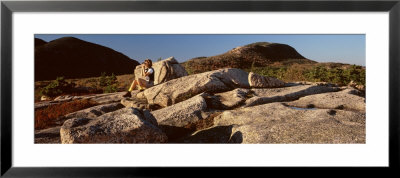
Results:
[71, 57]
[258, 54]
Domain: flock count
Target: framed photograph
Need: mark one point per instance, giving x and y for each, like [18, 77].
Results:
[137, 88]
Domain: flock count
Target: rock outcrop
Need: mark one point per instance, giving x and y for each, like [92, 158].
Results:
[269, 95]
[95, 111]
[126, 125]
[180, 89]
[164, 70]
[277, 123]
[183, 113]
[52, 134]
[222, 106]
[99, 98]
[49, 135]
[135, 103]
[105, 98]
[258, 81]
[229, 99]
[334, 100]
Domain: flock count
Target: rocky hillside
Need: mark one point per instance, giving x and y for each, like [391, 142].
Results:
[74, 58]
[221, 106]
[244, 57]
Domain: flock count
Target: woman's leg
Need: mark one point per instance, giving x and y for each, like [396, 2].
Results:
[133, 85]
[128, 93]
[141, 82]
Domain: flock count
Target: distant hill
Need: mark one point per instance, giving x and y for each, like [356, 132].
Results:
[256, 54]
[74, 58]
[39, 42]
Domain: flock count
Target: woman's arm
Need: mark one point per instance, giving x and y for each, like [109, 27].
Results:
[149, 72]
[143, 74]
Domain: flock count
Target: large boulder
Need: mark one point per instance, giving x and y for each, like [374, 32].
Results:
[107, 97]
[183, 118]
[183, 113]
[259, 81]
[229, 99]
[49, 135]
[52, 135]
[164, 70]
[278, 123]
[95, 111]
[139, 103]
[127, 125]
[345, 99]
[269, 95]
[180, 89]
[135, 103]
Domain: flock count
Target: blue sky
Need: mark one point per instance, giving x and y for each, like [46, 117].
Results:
[321, 48]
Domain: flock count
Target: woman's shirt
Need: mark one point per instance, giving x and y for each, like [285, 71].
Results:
[151, 72]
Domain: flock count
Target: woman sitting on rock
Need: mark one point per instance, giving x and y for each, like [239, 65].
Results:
[146, 80]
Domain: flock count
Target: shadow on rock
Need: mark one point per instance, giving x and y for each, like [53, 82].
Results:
[47, 135]
[237, 137]
[219, 134]
[149, 117]
[175, 134]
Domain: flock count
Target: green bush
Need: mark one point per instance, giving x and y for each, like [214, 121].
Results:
[109, 84]
[187, 65]
[277, 72]
[103, 80]
[317, 74]
[57, 87]
[336, 75]
[356, 74]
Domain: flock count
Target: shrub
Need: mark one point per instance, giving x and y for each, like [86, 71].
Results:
[110, 89]
[103, 80]
[57, 87]
[356, 74]
[188, 67]
[293, 73]
[317, 74]
[336, 75]
[332, 74]
[93, 83]
[109, 84]
[47, 117]
[277, 72]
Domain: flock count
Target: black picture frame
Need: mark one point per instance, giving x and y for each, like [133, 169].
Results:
[8, 7]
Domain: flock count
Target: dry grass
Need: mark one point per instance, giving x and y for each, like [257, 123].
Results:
[47, 117]
[124, 82]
